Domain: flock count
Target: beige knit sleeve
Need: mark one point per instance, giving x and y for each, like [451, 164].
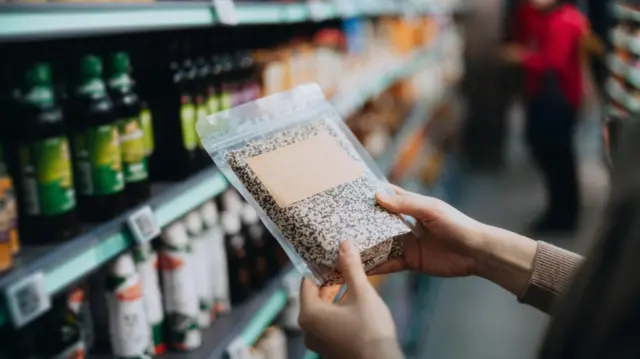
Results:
[552, 272]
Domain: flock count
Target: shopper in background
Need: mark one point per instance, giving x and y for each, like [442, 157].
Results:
[599, 317]
[548, 35]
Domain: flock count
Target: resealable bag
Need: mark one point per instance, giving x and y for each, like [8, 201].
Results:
[291, 157]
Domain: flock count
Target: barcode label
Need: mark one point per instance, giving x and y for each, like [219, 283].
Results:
[226, 11]
[238, 349]
[28, 299]
[143, 225]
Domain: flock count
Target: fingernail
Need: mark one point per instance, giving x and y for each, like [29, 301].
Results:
[346, 248]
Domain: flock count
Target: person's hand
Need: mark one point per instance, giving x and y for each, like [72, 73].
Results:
[451, 241]
[513, 54]
[360, 328]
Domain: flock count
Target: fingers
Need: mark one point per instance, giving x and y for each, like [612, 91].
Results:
[309, 294]
[352, 269]
[392, 266]
[406, 203]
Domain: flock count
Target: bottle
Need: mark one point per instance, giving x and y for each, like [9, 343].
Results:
[230, 201]
[146, 260]
[227, 85]
[59, 334]
[39, 161]
[9, 245]
[202, 273]
[146, 119]
[127, 109]
[179, 289]
[257, 249]
[96, 146]
[174, 118]
[79, 307]
[129, 330]
[214, 235]
[237, 258]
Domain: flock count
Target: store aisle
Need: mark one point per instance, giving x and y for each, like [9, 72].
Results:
[475, 319]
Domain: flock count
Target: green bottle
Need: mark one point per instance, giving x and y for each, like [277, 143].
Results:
[132, 138]
[96, 142]
[39, 160]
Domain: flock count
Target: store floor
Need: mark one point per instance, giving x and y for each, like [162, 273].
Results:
[475, 319]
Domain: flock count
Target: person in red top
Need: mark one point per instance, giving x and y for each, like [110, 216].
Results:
[547, 36]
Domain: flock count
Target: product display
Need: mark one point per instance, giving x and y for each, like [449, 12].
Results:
[100, 148]
[311, 212]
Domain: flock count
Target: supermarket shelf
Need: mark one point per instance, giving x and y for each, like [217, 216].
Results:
[20, 21]
[624, 12]
[246, 321]
[63, 264]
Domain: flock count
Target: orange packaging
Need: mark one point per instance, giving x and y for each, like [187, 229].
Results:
[8, 231]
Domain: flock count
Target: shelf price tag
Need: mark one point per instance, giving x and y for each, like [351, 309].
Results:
[143, 225]
[27, 299]
[317, 10]
[346, 8]
[226, 11]
[238, 349]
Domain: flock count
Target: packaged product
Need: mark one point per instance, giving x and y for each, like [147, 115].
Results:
[128, 326]
[179, 289]
[295, 161]
[202, 274]
[146, 260]
[214, 236]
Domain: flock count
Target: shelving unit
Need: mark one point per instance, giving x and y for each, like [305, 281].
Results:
[24, 21]
[66, 263]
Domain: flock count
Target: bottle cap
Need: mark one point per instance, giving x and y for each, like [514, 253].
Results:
[249, 215]
[91, 66]
[39, 74]
[209, 213]
[231, 201]
[193, 222]
[123, 266]
[120, 63]
[231, 223]
[175, 235]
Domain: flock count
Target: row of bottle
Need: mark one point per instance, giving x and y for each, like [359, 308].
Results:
[162, 294]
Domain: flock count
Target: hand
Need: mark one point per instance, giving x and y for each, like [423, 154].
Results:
[451, 240]
[513, 54]
[361, 328]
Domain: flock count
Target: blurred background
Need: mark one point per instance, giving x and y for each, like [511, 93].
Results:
[119, 238]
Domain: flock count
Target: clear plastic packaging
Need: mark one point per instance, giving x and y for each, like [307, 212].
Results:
[294, 160]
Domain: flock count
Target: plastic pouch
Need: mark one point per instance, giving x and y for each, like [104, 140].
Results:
[312, 183]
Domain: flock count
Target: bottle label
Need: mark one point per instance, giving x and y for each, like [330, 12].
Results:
[8, 213]
[47, 178]
[129, 329]
[134, 159]
[201, 113]
[99, 161]
[213, 104]
[225, 100]
[188, 122]
[147, 128]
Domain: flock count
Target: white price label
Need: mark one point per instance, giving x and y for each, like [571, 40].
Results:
[27, 299]
[143, 225]
[346, 8]
[226, 11]
[238, 349]
[317, 10]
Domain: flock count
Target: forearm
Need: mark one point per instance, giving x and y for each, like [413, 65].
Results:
[536, 272]
[506, 258]
[383, 349]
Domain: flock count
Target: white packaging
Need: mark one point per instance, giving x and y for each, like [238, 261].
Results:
[128, 327]
[179, 288]
[214, 235]
[201, 255]
[146, 260]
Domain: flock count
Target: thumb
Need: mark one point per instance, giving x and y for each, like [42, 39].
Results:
[407, 203]
[352, 269]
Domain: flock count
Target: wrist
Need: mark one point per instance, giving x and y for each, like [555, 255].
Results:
[382, 349]
[505, 258]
